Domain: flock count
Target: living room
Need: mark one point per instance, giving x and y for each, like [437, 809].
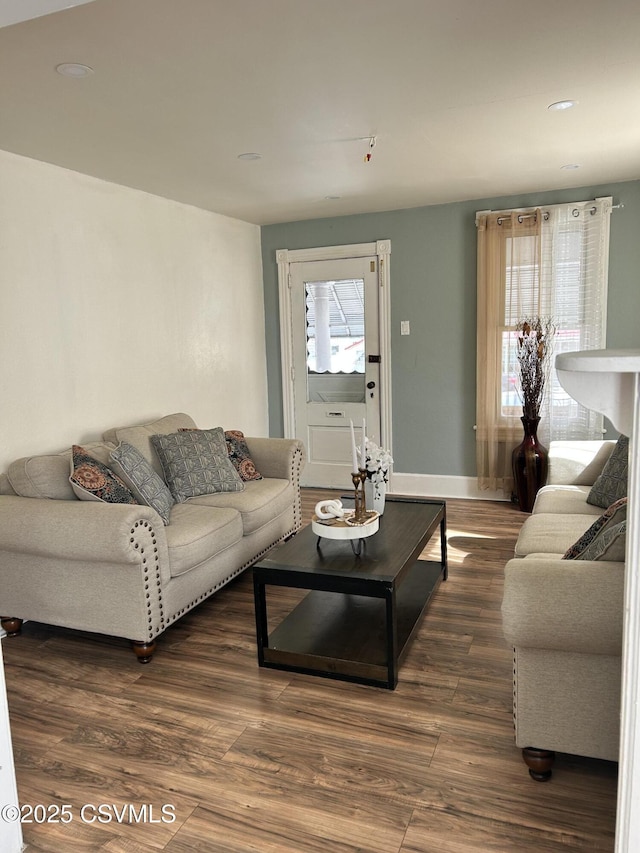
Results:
[122, 304]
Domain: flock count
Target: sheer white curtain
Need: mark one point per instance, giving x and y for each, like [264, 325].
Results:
[574, 269]
[549, 262]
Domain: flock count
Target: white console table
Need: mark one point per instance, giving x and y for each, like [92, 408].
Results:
[608, 381]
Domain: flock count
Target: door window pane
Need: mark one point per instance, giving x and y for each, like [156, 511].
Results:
[335, 326]
[335, 340]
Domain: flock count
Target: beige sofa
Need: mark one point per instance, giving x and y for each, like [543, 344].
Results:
[115, 568]
[563, 619]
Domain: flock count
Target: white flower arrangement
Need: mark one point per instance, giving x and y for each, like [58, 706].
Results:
[377, 463]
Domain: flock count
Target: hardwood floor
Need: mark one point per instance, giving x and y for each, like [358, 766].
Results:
[260, 760]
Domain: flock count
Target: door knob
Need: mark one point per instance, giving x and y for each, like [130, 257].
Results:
[370, 385]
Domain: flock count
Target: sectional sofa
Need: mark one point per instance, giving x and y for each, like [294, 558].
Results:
[109, 564]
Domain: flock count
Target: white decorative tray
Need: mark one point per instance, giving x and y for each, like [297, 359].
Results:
[346, 528]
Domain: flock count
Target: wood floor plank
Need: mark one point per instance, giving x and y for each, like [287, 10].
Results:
[274, 762]
[287, 818]
[126, 845]
[334, 760]
[462, 832]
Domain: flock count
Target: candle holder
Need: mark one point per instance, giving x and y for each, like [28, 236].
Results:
[360, 515]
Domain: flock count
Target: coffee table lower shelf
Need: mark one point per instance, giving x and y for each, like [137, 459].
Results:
[349, 636]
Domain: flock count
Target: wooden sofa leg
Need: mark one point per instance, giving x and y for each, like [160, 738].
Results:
[539, 762]
[12, 625]
[143, 651]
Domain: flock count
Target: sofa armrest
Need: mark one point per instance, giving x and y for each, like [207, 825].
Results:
[5, 486]
[577, 463]
[84, 565]
[564, 605]
[84, 531]
[282, 458]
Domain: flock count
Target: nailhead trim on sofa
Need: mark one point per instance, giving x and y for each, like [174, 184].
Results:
[151, 573]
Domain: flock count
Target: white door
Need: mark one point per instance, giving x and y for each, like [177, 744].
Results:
[336, 362]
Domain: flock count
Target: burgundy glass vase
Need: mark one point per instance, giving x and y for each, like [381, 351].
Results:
[530, 463]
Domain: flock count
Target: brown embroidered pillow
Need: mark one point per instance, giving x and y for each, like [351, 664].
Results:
[240, 455]
[93, 481]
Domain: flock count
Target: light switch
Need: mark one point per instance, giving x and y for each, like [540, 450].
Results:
[404, 327]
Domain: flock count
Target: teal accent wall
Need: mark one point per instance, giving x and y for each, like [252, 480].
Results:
[433, 284]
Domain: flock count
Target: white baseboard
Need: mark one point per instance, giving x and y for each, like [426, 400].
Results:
[440, 486]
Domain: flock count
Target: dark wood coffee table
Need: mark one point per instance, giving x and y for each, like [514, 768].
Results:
[361, 611]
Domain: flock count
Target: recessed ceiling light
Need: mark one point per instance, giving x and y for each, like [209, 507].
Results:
[570, 166]
[562, 105]
[250, 155]
[74, 69]
[332, 197]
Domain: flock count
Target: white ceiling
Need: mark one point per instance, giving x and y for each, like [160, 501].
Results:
[455, 92]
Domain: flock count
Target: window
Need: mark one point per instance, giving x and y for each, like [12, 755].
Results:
[549, 262]
[519, 299]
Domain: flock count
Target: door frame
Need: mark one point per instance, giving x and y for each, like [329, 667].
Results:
[285, 257]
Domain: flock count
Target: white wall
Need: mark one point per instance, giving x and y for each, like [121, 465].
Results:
[117, 306]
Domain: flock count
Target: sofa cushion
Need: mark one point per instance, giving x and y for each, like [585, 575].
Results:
[196, 462]
[612, 483]
[138, 475]
[140, 436]
[578, 463]
[547, 533]
[565, 499]
[91, 480]
[259, 503]
[198, 533]
[47, 475]
[613, 515]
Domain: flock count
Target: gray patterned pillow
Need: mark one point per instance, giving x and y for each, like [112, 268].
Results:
[609, 544]
[196, 463]
[611, 517]
[136, 472]
[612, 482]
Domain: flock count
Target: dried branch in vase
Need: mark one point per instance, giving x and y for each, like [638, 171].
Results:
[535, 347]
